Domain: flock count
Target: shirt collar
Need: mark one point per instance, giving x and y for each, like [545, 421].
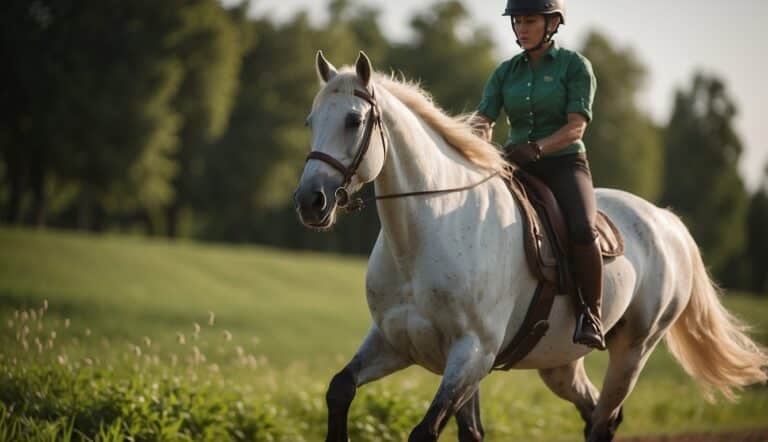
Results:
[551, 53]
[554, 50]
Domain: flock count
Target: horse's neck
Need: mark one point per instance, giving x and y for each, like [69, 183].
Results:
[419, 159]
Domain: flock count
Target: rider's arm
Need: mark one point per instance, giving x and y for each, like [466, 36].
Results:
[566, 135]
[580, 88]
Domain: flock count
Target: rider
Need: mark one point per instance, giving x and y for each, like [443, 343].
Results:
[547, 93]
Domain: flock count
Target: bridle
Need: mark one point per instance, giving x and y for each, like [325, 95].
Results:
[372, 120]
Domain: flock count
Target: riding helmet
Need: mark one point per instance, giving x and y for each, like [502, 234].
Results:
[532, 7]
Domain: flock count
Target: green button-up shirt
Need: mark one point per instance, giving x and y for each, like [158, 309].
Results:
[537, 101]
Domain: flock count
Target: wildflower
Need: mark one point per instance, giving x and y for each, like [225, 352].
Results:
[197, 355]
[87, 332]
[181, 339]
[137, 350]
[53, 334]
[255, 340]
[33, 315]
[197, 329]
[10, 323]
[227, 335]
[211, 318]
[45, 304]
[147, 341]
[66, 323]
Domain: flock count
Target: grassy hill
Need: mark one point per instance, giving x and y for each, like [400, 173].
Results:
[258, 332]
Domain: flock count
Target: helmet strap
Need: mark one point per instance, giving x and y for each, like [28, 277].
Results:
[547, 35]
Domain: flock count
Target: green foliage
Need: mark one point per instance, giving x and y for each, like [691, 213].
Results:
[209, 50]
[451, 57]
[93, 86]
[756, 254]
[142, 356]
[701, 181]
[623, 145]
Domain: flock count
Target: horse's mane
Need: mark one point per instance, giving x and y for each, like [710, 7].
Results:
[455, 130]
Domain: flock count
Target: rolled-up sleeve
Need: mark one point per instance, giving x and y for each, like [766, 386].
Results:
[581, 85]
[492, 100]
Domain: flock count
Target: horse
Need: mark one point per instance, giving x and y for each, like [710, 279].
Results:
[447, 283]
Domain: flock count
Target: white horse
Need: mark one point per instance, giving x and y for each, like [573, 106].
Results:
[448, 285]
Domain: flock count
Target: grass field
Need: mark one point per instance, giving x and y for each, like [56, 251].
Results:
[108, 337]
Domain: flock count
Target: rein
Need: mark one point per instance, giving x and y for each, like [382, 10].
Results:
[342, 194]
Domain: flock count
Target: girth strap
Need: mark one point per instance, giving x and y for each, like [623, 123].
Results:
[534, 327]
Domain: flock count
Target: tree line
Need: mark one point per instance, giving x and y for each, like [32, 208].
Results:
[186, 118]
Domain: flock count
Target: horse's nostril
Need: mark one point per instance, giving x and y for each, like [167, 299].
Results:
[318, 203]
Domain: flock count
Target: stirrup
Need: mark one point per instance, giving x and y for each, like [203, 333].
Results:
[594, 339]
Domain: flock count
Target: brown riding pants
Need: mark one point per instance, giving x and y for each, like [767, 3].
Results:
[570, 179]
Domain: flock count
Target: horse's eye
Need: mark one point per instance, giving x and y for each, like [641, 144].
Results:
[353, 121]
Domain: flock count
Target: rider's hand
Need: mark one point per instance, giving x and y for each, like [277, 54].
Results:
[522, 154]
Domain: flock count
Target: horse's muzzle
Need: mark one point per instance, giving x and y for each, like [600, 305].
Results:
[315, 204]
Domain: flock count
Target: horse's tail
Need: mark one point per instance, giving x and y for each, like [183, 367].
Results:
[711, 344]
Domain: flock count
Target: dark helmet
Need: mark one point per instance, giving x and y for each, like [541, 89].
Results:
[532, 7]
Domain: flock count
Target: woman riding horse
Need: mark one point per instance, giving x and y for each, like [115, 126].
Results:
[547, 93]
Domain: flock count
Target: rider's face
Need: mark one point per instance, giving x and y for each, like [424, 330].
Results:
[530, 29]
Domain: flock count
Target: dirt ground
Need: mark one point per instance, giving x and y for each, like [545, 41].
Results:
[742, 436]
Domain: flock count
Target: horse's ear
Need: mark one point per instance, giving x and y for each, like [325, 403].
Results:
[325, 70]
[364, 69]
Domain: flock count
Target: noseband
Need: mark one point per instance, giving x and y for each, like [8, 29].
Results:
[372, 118]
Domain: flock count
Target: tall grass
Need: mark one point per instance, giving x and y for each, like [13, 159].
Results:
[115, 338]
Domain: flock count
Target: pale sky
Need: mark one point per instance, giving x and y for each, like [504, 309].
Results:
[672, 38]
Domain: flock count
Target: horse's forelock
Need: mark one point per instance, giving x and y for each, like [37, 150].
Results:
[344, 83]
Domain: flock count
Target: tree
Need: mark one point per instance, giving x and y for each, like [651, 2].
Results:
[209, 50]
[624, 146]
[757, 238]
[451, 59]
[701, 180]
[91, 85]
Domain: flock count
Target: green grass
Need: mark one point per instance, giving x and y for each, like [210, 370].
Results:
[135, 353]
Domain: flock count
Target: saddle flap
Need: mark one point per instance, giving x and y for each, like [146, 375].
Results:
[546, 235]
[611, 240]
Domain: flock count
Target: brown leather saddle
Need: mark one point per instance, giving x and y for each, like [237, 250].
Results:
[546, 247]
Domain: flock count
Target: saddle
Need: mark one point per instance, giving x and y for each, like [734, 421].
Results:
[545, 238]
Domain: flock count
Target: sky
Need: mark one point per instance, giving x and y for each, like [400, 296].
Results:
[673, 38]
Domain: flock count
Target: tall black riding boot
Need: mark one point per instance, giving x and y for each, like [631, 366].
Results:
[588, 272]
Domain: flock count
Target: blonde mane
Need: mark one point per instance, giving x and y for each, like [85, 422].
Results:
[454, 130]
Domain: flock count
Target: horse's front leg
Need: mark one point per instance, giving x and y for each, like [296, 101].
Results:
[467, 365]
[374, 359]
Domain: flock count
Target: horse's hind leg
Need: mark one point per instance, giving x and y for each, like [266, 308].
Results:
[466, 365]
[374, 360]
[628, 356]
[468, 420]
[570, 382]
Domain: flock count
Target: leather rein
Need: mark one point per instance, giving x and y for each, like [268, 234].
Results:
[342, 194]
